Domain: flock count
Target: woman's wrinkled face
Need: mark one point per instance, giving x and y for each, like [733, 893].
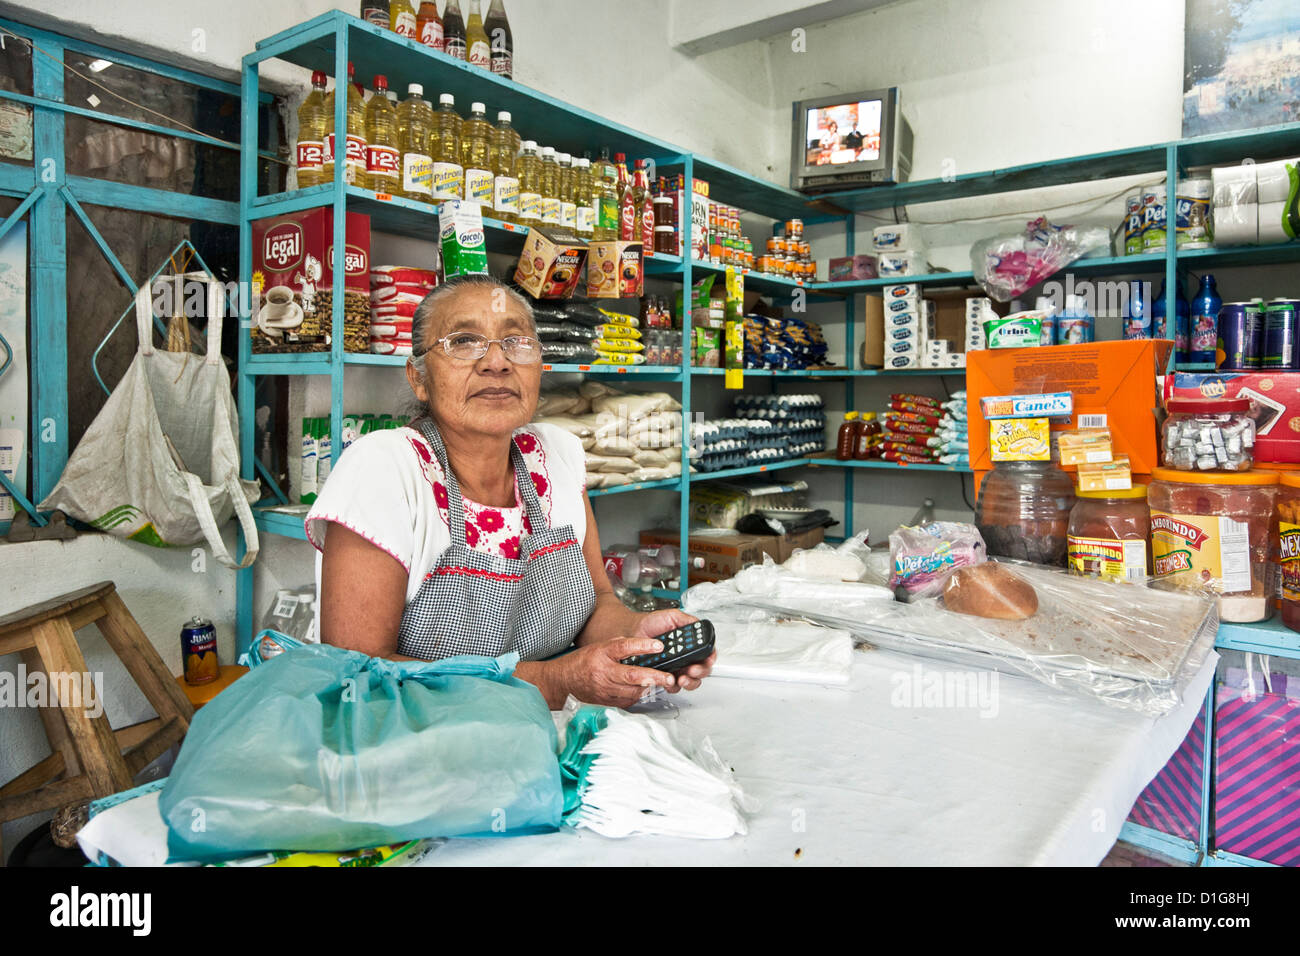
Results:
[489, 396]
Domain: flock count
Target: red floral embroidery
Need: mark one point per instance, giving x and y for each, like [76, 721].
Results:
[528, 525]
[526, 443]
[539, 483]
[471, 535]
[422, 450]
[510, 547]
[489, 519]
[440, 494]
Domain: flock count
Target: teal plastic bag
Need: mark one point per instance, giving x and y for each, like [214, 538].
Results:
[320, 748]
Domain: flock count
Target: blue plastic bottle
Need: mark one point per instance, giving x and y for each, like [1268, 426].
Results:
[1160, 319]
[1137, 314]
[1204, 322]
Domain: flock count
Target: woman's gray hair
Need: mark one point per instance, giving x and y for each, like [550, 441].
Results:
[424, 321]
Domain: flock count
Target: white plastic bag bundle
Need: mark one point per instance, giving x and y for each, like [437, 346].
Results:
[648, 779]
[160, 462]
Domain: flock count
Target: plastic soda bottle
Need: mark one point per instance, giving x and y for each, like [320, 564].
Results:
[453, 30]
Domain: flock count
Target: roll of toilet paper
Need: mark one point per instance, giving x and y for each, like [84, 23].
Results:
[1273, 181]
[1236, 224]
[1235, 184]
[1272, 227]
[902, 262]
[903, 235]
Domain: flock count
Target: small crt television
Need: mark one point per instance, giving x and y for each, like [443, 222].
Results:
[849, 141]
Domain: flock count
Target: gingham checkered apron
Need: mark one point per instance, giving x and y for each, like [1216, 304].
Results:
[478, 603]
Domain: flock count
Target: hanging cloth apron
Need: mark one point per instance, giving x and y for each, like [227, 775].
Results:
[478, 603]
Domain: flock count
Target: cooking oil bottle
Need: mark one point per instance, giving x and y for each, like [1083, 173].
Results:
[605, 198]
[448, 173]
[476, 157]
[550, 190]
[568, 209]
[311, 134]
[530, 176]
[477, 49]
[354, 156]
[582, 198]
[383, 157]
[505, 165]
[414, 126]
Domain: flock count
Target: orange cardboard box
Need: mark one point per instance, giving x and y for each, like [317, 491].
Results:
[1113, 384]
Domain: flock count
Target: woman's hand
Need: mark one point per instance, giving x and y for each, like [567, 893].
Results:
[656, 623]
[595, 675]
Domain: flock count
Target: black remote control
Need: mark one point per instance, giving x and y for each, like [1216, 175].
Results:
[683, 646]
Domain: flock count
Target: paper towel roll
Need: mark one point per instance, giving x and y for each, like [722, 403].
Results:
[1273, 181]
[1235, 184]
[1270, 223]
[903, 235]
[1236, 224]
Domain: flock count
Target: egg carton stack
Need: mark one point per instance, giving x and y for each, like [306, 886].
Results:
[629, 437]
[720, 443]
[395, 291]
[952, 440]
[797, 424]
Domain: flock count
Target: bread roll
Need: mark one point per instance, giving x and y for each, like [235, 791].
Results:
[990, 590]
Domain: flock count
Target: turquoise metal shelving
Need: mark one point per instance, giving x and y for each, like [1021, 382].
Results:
[329, 41]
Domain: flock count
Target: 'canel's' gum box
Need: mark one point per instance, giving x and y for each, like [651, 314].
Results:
[1053, 405]
[1277, 394]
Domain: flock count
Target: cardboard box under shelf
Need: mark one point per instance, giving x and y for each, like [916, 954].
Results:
[723, 554]
[789, 543]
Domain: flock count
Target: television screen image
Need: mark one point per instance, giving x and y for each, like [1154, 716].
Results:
[845, 133]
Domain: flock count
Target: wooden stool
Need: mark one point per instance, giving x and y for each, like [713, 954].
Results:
[90, 759]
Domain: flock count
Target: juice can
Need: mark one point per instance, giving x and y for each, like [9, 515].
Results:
[199, 651]
[1279, 334]
[1240, 336]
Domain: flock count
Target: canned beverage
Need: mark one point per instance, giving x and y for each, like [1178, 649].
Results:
[1279, 335]
[1239, 337]
[199, 651]
[1133, 224]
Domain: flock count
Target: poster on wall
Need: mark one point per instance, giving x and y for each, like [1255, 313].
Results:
[13, 380]
[1241, 65]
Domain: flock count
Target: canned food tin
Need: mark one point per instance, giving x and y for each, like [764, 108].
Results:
[1279, 335]
[805, 250]
[199, 651]
[794, 228]
[1240, 336]
[771, 244]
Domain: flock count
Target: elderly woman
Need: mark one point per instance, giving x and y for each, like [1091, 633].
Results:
[469, 531]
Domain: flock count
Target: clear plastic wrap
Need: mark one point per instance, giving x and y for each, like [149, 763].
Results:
[1008, 266]
[1128, 645]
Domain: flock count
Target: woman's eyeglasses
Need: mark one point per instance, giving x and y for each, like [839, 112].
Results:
[470, 346]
